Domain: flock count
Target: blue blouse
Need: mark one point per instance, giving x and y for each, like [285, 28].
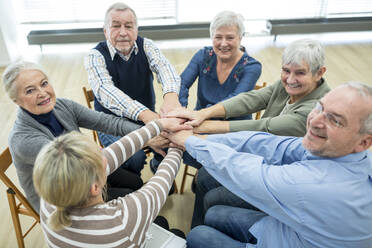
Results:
[242, 78]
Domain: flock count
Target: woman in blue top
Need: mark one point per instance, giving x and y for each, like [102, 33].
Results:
[224, 70]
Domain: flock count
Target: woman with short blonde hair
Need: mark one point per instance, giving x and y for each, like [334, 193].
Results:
[70, 174]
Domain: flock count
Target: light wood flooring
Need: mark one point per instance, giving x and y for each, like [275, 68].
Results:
[344, 61]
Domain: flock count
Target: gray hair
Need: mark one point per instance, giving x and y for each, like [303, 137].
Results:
[364, 91]
[120, 7]
[304, 50]
[12, 72]
[227, 18]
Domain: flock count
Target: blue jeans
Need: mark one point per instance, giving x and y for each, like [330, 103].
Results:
[209, 192]
[225, 226]
[135, 163]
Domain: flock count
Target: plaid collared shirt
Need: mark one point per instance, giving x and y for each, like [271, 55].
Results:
[113, 98]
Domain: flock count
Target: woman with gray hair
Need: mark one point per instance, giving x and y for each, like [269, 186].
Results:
[225, 67]
[42, 117]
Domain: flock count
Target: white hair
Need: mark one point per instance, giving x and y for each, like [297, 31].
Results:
[227, 18]
[304, 50]
[12, 72]
[364, 91]
[121, 7]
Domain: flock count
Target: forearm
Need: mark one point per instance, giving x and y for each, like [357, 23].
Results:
[118, 152]
[152, 196]
[214, 111]
[164, 177]
[210, 126]
[147, 115]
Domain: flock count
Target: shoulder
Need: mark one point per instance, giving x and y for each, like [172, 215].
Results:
[250, 64]
[102, 46]
[25, 143]
[65, 104]
[66, 108]
[250, 60]
[145, 42]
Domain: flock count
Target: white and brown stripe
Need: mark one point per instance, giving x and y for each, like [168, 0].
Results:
[122, 222]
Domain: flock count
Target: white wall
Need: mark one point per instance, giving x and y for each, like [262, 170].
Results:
[8, 34]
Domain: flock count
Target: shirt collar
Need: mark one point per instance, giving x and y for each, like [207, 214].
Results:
[114, 51]
[352, 157]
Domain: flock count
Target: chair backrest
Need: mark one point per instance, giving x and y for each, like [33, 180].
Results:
[257, 87]
[14, 195]
[89, 97]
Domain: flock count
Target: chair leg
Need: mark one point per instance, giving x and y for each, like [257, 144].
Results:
[15, 217]
[175, 187]
[184, 179]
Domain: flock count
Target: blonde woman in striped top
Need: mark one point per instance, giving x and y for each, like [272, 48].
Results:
[70, 174]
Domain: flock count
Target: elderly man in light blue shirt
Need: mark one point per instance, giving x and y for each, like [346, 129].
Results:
[314, 191]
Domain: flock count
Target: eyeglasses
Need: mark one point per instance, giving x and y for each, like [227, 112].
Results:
[331, 119]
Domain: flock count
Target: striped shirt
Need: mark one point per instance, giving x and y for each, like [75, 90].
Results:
[113, 98]
[122, 222]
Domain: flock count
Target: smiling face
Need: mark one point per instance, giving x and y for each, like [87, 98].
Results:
[298, 80]
[34, 93]
[226, 42]
[333, 127]
[121, 30]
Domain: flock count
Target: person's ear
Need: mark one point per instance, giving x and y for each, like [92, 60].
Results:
[364, 143]
[95, 190]
[321, 72]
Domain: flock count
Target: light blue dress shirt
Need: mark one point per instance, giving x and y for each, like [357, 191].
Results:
[311, 201]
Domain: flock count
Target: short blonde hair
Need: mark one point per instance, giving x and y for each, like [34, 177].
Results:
[64, 172]
[12, 72]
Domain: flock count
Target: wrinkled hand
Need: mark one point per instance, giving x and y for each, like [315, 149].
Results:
[174, 124]
[195, 118]
[178, 139]
[170, 102]
[147, 115]
[158, 143]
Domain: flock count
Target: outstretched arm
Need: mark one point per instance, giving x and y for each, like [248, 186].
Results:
[118, 152]
[197, 117]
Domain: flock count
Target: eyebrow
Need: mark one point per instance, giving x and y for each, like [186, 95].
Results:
[42, 80]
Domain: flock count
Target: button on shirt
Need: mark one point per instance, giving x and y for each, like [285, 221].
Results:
[311, 201]
[113, 98]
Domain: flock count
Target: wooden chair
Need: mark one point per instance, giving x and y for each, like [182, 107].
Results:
[18, 203]
[89, 97]
[186, 171]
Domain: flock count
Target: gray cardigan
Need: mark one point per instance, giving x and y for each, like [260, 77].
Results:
[28, 136]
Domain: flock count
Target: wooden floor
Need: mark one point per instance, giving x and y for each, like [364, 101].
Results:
[345, 62]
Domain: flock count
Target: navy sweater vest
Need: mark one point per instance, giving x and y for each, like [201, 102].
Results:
[133, 77]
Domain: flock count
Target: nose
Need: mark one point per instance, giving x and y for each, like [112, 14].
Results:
[317, 119]
[223, 42]
[123, 31]
[42, 93]
[291, 78]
